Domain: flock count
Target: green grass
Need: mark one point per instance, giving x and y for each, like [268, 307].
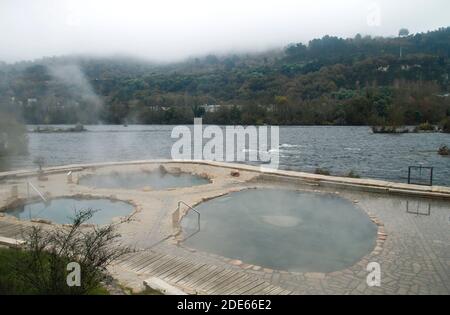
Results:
[11, 283]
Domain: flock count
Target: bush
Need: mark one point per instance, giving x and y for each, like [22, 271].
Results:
[42, 266]
[353, 174]
[425, 127]
[446, 125]
[444, 150]
[322, 171]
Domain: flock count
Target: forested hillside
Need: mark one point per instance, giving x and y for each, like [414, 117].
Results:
[354, 81]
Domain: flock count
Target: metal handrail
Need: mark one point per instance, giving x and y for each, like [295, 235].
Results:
[191, 208]
[198, 216]
[36, 190]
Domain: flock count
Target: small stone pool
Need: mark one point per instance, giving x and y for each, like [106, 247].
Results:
[62, 210]
[283, 230]
[138, 180]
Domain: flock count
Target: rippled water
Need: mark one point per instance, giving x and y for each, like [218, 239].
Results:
[338, 149]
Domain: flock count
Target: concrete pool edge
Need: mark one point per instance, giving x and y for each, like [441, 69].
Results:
[368, 185]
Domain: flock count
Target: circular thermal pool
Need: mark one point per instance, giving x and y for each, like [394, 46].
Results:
[137, 180]
[283, 230]
[62, 210]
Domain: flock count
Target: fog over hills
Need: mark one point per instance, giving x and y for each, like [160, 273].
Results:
[173, 30]
[333, 81]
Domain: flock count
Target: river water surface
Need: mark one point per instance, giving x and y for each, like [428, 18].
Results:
[337, 149]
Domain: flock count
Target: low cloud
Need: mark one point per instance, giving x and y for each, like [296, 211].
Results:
[174, 29]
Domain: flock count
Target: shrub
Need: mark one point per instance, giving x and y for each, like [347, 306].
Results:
[353, 174]
[43, 268]
[446, 125]
[444, 150]
[322, 171]
[425, 127]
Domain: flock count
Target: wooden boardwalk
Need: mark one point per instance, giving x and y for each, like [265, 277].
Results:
[198, 277]
[12, 230]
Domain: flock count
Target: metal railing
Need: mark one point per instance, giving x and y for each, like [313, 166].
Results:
[417, 210]
[29, 184]
[425, 182]
[198, 217]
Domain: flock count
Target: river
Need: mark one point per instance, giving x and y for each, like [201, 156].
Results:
[337, 149]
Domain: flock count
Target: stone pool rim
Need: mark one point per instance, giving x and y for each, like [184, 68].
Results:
[22, 202]
[378, 246]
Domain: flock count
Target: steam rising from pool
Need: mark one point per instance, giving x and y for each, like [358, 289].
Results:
[283, 230]
[62, 210]
[140, 180]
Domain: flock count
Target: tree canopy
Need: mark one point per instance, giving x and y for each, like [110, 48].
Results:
[331, 80]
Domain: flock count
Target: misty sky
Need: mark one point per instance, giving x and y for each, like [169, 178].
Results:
[167, 30]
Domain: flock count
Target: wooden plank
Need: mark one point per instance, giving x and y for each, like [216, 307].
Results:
[177, 276]
[147, 261]
[176, 270]
[157, 263]
[214, 280]
[204, 272]
[249, 286]
[12, 234]
[12, 227]
[257, 289]
[151, 263]
[223, 287]
[128, 262]
[4, 225]
[221, 283]
[138, 261]
[127, 257]
[162, 270]
[272, 290]
[242, 280]
[195, 277]
[240, 286]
